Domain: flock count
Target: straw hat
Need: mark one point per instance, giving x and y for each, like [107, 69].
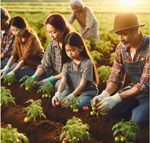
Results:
[125, 21]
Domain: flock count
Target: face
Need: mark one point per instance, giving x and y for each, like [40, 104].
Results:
[16, 31]
[73, 52]
[55, 34]
[76, 8]
[127, 37]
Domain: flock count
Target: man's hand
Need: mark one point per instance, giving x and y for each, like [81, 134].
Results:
[108, 103]
[97, 98]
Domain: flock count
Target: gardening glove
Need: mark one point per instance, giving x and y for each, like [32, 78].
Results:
[11, 73]
[34, 77]
[97, 98]
[56, 97]
[108, 103]
[66, 101]
[4, 71]
[47, 80]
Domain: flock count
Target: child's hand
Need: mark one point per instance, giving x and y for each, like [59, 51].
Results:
[56, 97]
[66, 101]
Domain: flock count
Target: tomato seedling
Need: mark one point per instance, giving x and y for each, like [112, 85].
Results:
[125, 131]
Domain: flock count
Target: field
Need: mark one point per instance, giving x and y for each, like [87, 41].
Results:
[48, 130]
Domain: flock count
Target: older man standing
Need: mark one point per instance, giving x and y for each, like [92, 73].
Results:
[132, 61]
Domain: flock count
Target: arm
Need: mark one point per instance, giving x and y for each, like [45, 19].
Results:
[11, 61]
[62, 84]
[19, 66]
[71, 18]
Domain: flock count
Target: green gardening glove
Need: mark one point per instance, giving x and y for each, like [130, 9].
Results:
[50, 79]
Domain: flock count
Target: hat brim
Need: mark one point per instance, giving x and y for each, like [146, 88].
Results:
[117, 30]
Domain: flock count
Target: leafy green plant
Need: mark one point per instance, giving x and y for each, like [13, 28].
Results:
[34, 110]
[10, 79]
[97, 56]
[75, 131]
[104, 47]
[11, 135]
[6, 96]
[125, 131]
[112, 56]
[104, 72]
[28, 82]
[47, 89]
[74, 104]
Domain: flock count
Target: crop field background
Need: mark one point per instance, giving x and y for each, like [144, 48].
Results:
[35, 13]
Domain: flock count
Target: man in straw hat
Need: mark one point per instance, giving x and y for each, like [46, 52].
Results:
[131, 61]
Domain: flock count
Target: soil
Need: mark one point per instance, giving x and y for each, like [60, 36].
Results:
[48, 130]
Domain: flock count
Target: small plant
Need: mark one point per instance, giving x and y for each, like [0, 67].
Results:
[11, 135]
[74, 104]
[34, 110]
[10, 79]
[104, 72]
[6, 96]
[28, 82]
[125, 131]
[112, 57]
[47, 89]
[97, 56]
[75, 131]
[95, 112]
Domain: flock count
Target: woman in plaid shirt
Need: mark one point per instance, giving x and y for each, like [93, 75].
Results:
[132, 58]
[51, 65]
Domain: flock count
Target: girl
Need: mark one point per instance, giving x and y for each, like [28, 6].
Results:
[51, 65]
[27, 52]
[79, 73]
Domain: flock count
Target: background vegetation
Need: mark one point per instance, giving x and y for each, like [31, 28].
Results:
[36, 12]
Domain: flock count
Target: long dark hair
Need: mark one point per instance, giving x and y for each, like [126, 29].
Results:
[59, 22]
[20, 23]
[75, 39]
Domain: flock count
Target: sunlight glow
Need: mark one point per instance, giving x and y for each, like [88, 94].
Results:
[129, 2]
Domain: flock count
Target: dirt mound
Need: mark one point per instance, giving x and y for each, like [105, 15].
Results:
[48, 130]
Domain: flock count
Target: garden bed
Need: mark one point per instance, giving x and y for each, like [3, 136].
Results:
[48, 130]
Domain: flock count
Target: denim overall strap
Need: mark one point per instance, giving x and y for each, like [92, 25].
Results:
[134, 70]
[74, 77]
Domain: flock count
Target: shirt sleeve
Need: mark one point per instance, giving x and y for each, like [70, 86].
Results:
[117, 73]
[87, 72]
[71, 18]
[46, 62]
[65, 70]
[7, 44]
[89, 18]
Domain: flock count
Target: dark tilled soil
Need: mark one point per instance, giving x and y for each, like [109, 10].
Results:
[48, 130]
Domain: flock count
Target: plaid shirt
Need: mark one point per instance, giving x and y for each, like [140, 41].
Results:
[118, 75]
[52, 61]
[7, 42]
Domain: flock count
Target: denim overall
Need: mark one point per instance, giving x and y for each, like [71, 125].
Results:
[73, 80]
[137, 108]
